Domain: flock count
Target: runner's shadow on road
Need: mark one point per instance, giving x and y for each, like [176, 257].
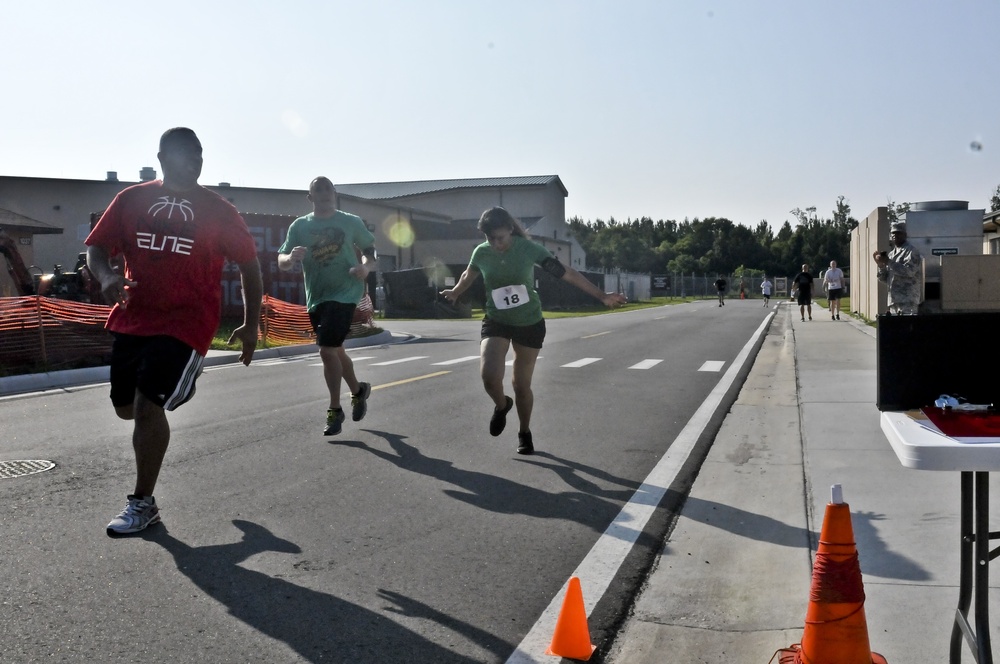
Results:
[575, 475]
[317, 626]
[875, 557]
[498, 494]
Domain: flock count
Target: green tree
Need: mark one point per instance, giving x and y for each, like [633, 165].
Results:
[718, 245]
[896, 210]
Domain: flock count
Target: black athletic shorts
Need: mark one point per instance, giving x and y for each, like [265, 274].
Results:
[331, 321]
[531, 336]
[835, 294]
[163, 368]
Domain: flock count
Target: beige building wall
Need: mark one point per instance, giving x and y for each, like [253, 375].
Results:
[69, 204]
[545, 201]
[521, 201]
[868, 296]
[392, 226]
[970, 283]
[939, 230]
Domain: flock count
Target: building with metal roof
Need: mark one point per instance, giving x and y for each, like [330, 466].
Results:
[416, 224]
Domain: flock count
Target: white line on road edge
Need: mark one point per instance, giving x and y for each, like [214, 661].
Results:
[601, 564]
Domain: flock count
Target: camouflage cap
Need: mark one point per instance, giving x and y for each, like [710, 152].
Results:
[897, 227]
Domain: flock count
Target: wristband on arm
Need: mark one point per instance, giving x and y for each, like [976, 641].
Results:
[554, 267]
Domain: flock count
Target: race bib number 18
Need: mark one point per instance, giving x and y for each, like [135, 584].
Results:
[509, 297]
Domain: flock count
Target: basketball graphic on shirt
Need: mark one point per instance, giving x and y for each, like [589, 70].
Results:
[327, 245]
[170, 204]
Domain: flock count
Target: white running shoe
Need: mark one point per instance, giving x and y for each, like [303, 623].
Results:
[139, 513]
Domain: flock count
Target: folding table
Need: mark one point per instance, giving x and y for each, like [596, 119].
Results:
[973, 450]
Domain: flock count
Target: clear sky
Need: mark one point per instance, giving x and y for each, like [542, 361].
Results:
[671, 109]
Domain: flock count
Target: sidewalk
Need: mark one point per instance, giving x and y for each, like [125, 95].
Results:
[732, 581]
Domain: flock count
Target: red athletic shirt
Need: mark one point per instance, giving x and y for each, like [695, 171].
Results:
[175, 245]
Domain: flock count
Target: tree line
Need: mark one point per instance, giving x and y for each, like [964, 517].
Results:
[716, 245]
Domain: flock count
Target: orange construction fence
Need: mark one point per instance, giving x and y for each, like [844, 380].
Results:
[284, 324]
[47, 332]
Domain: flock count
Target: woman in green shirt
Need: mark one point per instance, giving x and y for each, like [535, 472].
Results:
[514, 313]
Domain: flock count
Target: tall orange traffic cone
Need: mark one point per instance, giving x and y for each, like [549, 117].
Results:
[835, 631]
[572, 636]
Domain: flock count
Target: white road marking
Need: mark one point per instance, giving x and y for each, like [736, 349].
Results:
[712, 365]
[354, 359]
[582, 362]
[645, 364]
[467, 358]
[405, 359]
[601, 564]
[276, 360]
[510, 362]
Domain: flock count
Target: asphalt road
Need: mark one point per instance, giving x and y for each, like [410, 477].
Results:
[414, 536]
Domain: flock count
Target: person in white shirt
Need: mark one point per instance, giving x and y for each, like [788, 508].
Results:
[765, 289]
[833, 282]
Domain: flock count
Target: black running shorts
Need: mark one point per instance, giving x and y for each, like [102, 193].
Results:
[332, 322]
[163, 368]
[531, 336]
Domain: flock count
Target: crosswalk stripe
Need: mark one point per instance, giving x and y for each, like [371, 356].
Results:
[276, 360]
[645, 364]
[713, 366]
[510, 362]
[582, 362]
[467, 358]
[405, 359]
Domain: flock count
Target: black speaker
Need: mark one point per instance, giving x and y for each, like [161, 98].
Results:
[922, 357]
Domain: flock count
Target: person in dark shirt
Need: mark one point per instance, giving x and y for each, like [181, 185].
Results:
[803, 282]
[720, 286]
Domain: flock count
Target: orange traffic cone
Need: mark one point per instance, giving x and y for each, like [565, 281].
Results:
[835, 631]
[572, 636]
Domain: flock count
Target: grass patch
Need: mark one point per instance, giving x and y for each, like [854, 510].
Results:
[222, 335]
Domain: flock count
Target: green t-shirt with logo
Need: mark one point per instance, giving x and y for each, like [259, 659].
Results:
[510, 280]
[330, 244]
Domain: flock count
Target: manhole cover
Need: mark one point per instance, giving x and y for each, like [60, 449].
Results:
[10, 469]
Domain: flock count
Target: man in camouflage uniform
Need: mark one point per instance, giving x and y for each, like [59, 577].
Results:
[901, 270]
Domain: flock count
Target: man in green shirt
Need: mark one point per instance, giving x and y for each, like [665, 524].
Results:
[324, 243]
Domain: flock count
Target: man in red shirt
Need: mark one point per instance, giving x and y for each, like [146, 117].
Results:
[174, 236]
